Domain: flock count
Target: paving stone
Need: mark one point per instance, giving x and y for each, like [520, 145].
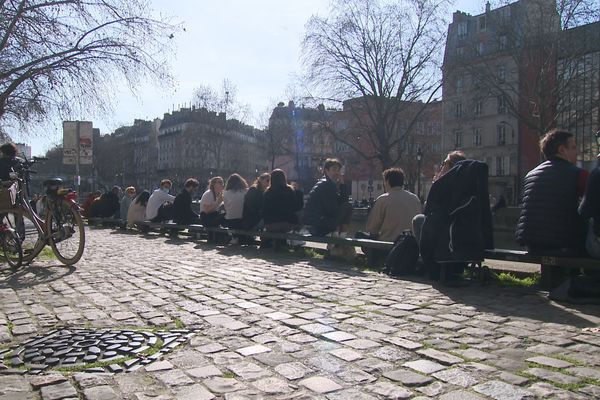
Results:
[319, 384]
[45, 380]
[550, 362]
[460, 395]
[316, 329]
[159, 366]
[58, 391]
[272, 385]
[223, 385]
[87, 379]
[502, 391]
[256, 349]
[272, 359]
[456, 376]
[339, 336]
[391, 353]
[204, 372]
[248, 370]
[355, 376]
[424, 366]
[361, 344]
[552, 376]
[444, 358]
[408, 378]
[389, 390]
[512, 378]
[293, 370]
[346, 354]
[174, 378]
[194, 392]
[211, 348]
[104, 392]
[407, 344]
[225, 321]
[346, 394]
[277, 316]
[13, 384]
[544, 390]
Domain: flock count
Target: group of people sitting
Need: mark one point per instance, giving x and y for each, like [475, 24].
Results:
[560, 212]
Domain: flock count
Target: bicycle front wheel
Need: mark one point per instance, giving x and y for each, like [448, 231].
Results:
[11, 246]
[31, 239]
[66, 233]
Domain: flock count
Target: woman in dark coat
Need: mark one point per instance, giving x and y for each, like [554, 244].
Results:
[253, 202]
[281, 204]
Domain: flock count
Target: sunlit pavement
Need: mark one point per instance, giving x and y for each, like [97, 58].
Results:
[280, 326]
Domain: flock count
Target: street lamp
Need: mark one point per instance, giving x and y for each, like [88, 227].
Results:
[419, 158]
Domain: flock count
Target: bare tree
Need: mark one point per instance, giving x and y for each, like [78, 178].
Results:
[386, 57]
[65, 56]
[225, 99]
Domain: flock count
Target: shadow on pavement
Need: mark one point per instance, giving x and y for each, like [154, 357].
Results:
[33, 275]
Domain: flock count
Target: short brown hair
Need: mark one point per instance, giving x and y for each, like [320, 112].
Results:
[8, 149]
[454, 157]
[394, 177]
[166, 181]
[191, 182]
[330, 162]
[552, 140]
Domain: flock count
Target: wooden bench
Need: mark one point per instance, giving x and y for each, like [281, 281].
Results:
[551, 275]
[113, 222]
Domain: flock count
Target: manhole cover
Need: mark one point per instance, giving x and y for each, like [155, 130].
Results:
[93, 350]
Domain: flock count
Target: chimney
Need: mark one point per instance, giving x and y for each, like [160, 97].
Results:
[487, 7]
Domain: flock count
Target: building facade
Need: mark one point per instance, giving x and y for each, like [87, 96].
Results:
[498, 88]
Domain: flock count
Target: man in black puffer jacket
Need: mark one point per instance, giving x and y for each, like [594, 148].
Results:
[549, 223]
[327, 208]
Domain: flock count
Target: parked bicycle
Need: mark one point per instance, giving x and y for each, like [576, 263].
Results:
[62, 227]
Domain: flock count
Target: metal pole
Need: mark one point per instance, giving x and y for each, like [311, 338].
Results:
[77, 158]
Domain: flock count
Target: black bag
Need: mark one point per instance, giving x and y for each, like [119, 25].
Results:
[165, 213]
[403, 257]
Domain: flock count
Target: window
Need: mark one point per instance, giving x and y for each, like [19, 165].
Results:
[460, 50]
[476, 137]
[459, 84]
[458, 109]
[462, 29]
[482, 23]
[501, 105]
[479, 50]
[457, 139]
[500, 166]
[478, 106]
[502, 42]
[502, 73]
[501, 134]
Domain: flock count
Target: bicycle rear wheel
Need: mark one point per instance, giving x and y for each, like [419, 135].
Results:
[67, 234]
[30, 238]
[11, 246]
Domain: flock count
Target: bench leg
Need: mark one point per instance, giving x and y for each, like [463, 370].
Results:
[552, 276]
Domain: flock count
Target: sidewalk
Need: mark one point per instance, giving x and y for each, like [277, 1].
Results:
[239, 323]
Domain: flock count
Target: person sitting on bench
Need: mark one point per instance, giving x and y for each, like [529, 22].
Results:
[182, 205]
[549, 223]
[159, 198]
[590, 209]
[327, 208]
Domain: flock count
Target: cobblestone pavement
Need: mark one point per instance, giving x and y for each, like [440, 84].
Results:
[278, 327]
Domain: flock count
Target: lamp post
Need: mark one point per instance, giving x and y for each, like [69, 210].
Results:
[419, 158]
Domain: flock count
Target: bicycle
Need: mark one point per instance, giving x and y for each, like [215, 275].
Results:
[62, 227]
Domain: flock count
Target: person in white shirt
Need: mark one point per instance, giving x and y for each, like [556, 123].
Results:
[233, 199]
[158, 198]
[211, 204]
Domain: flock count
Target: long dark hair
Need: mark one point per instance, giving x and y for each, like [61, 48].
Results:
[278, 180]
[142, 198]
[236, 183]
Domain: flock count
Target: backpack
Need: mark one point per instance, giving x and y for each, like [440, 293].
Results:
[403, 257]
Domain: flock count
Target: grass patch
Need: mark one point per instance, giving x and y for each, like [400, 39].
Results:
[228, 374]
[10, 325]
[308, 253]
[508, 279]
[46, 254]
[179, 324]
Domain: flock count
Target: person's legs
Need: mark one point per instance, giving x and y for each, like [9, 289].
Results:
[417, 225]
[592, 242]
[344, 217]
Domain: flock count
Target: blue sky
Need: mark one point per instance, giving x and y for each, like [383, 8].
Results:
[254, 44]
